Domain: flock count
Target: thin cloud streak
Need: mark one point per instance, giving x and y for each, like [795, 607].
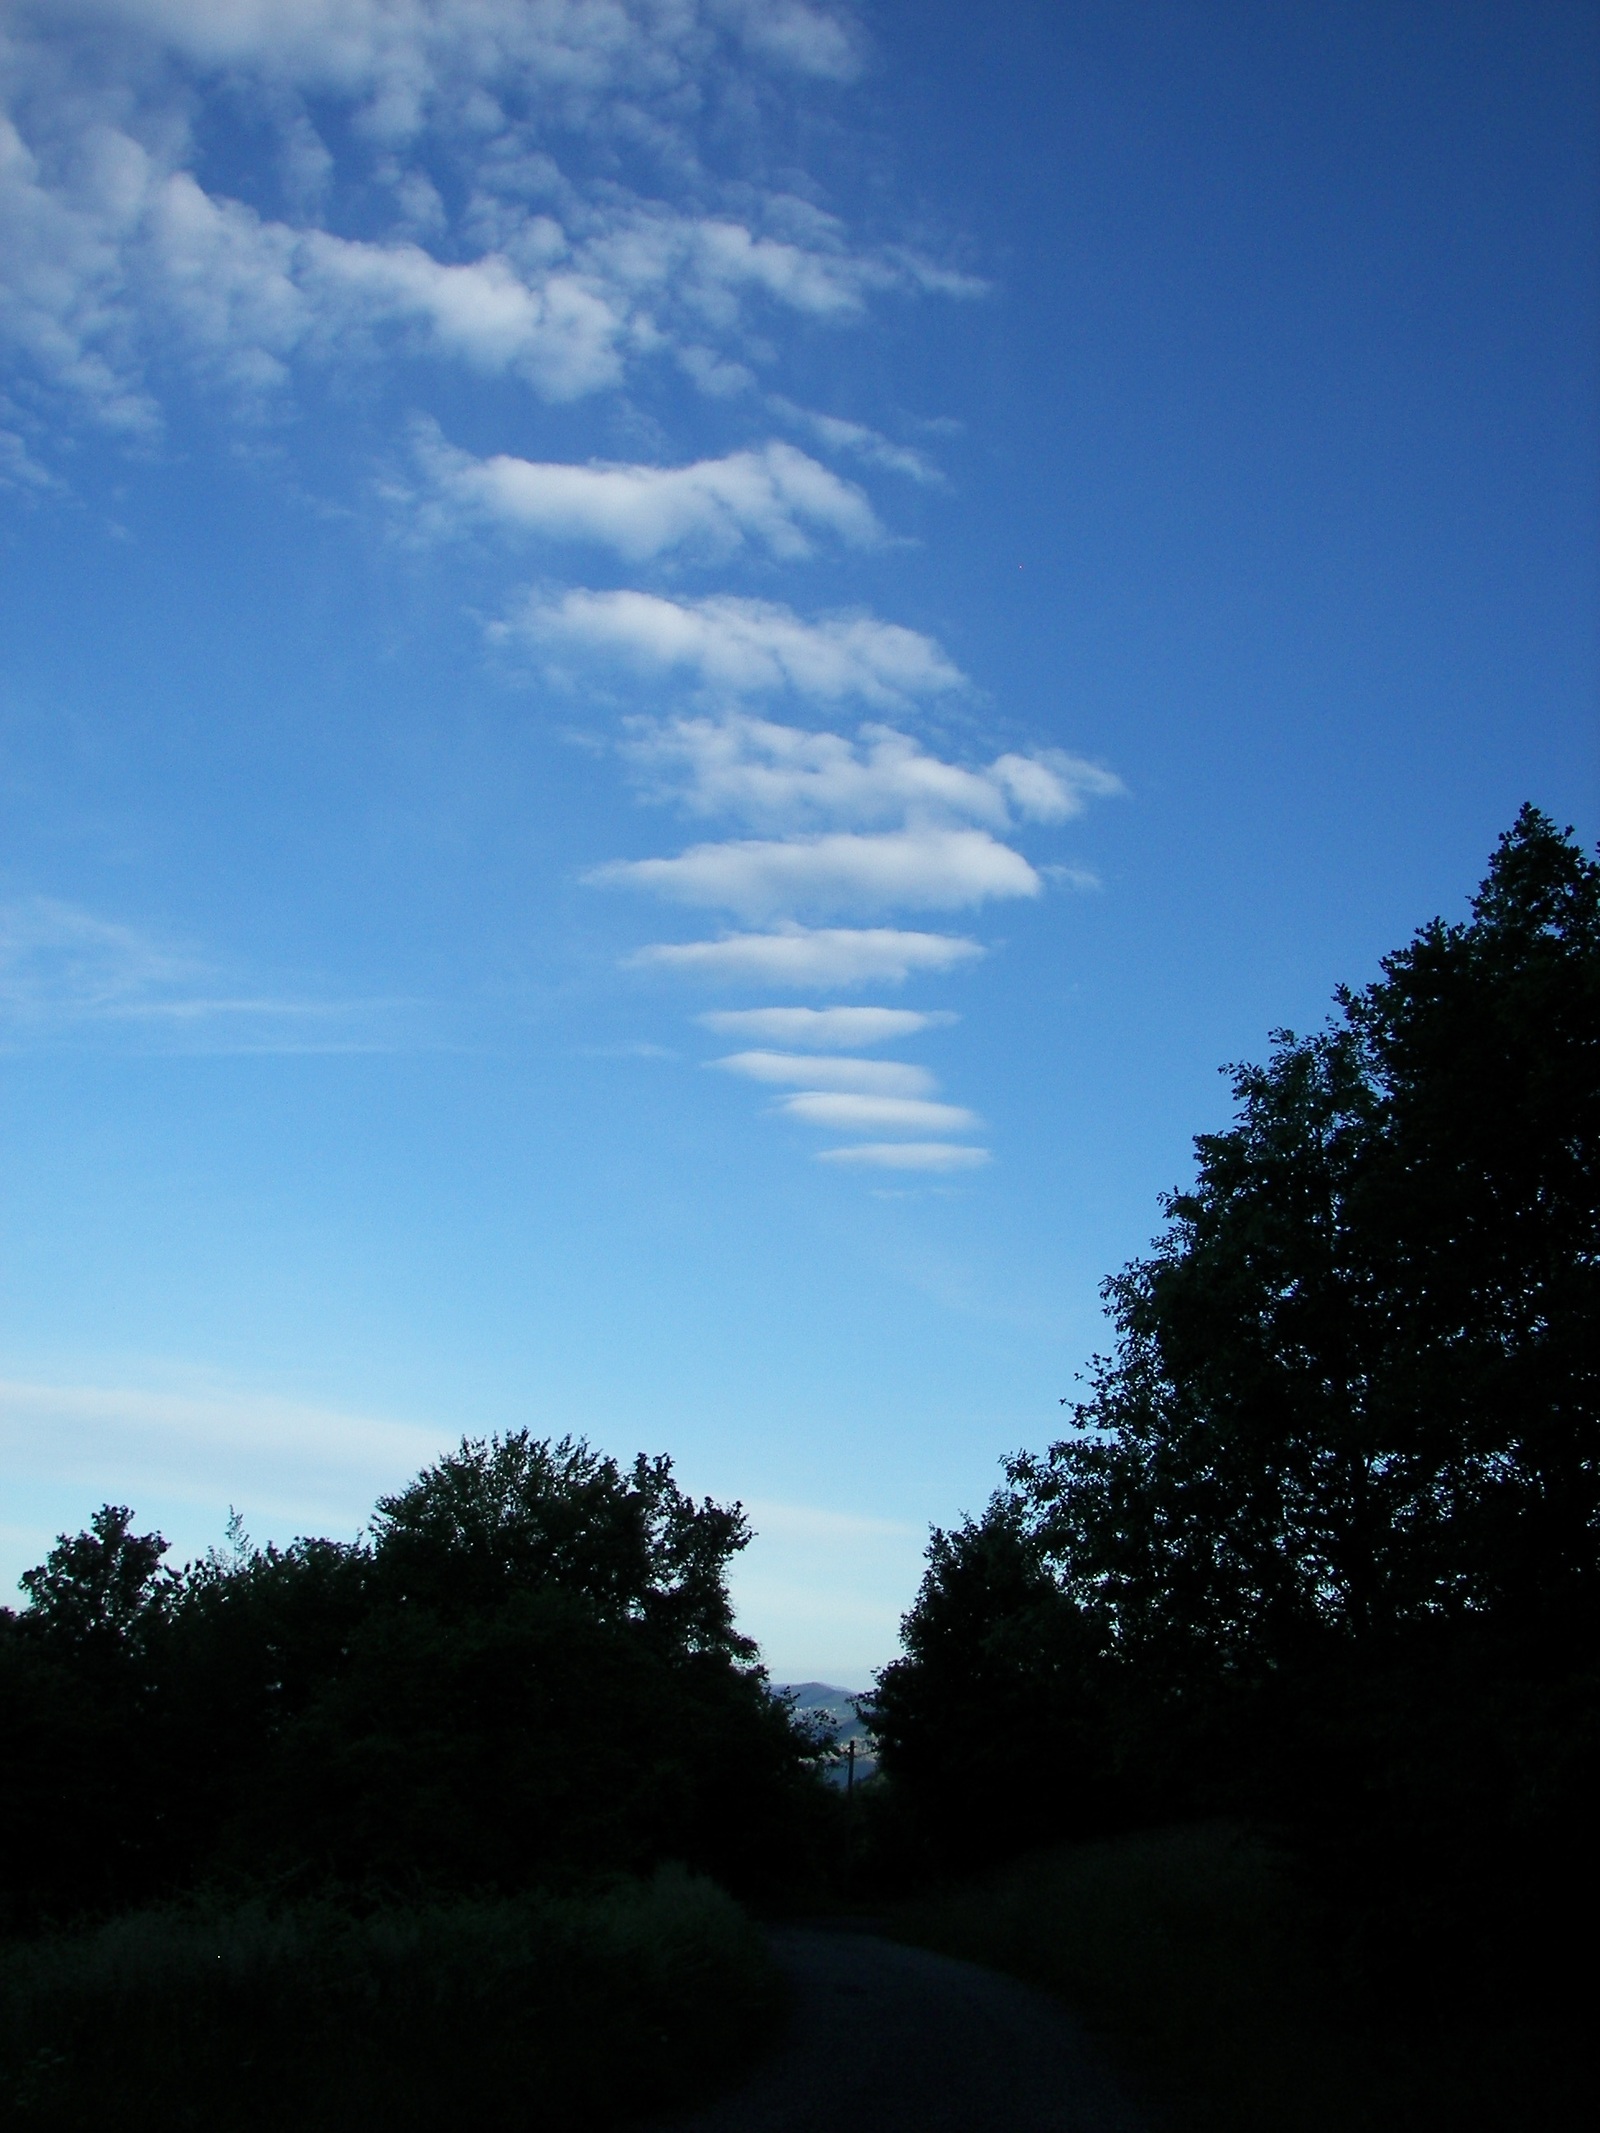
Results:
[810, 959]
[907, 1155]
[871, 1077]
[823, 1029]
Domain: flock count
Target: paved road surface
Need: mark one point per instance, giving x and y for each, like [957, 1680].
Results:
[887, 2039]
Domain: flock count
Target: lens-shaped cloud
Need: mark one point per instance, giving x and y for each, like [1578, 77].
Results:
[847, 1113]
[914, 869]
[811, 958]
[822, 1029]
[907, 1155]
[869, 1077]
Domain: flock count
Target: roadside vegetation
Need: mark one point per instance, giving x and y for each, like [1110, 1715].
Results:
[366, 1832]
[1232, 2001]
[495, 2012]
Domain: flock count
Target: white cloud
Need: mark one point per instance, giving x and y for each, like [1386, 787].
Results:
[741, 647]
[810, 959]
[775, 497]
[823, 1029]
[773, 775]
[118, 256]
[917, 869]
[868, 1077]
[870, 446]
[847, 1113]
[406, 51]
[908, 1155]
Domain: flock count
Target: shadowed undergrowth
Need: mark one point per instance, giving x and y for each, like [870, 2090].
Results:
[1217, 1988]
[534, 2011]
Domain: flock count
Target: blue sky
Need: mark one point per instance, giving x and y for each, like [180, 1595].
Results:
[675, 671]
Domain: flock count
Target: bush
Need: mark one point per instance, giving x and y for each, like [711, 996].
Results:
[536, 2011]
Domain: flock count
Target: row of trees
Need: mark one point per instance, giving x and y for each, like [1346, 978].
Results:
[1323, 1541]
[525, 1673]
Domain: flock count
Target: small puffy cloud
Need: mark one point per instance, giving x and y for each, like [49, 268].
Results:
[811, 958]
[908, 1155]
[848, 1113]
[769, 774]
[915, 869]
[741, 647]
[774, 497]
[822, 1029]
[866, 1077]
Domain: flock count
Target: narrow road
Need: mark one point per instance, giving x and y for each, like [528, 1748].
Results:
[895, 2040]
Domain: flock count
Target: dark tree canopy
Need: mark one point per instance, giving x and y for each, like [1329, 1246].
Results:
[1348, 1439]
[528, 1672]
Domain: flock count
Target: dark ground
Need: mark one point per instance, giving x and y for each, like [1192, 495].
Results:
[897, 2040]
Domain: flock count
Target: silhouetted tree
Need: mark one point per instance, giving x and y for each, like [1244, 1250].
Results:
[1333, 1501]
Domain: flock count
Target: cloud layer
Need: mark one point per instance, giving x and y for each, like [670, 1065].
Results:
[488, 146]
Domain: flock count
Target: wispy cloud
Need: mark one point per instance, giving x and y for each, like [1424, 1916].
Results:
[810, 959]
[823, 1029]
[208, 1442]
[738, 647]
[847, 1113]
[871, 1077]
[774, 497]
[842, 873]
[870, 446]
[67, 973]
[907, 1155]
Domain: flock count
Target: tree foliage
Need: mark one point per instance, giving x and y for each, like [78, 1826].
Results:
[527, 1672]
[1328, 1517]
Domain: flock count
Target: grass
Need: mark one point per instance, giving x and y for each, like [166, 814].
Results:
[535, 2013]
[1215, 1985]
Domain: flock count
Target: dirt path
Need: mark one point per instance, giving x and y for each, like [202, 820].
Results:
[895, 2040]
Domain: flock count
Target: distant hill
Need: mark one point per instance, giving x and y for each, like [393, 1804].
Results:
[822, 1699]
